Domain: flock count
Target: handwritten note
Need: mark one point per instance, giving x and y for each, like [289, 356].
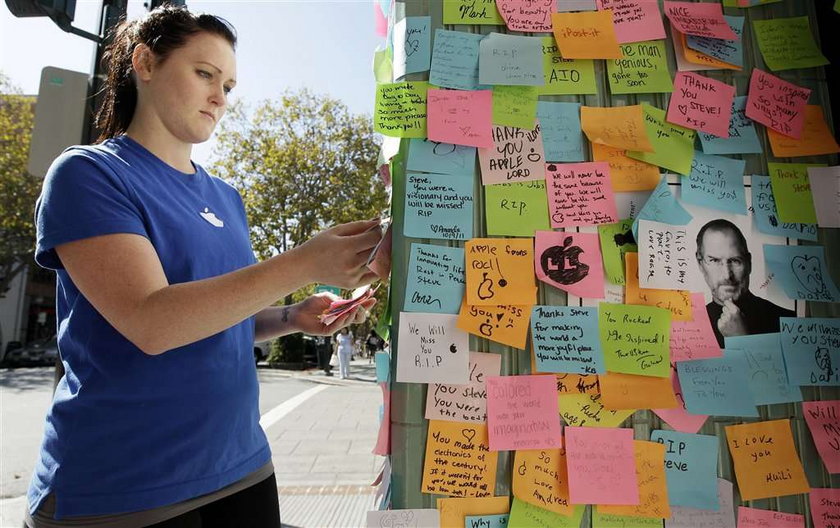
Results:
[662, 206]
[692, 60]
[792, 192]
[766, 217]
[515, 106]
[694, 339]
[765, 459]
[458, 461]
[476, 12]
[527, 15]
[815, 140]
[516, 209]
[560, 124]
[690, 468]
[643, 68]
[650, 475]
[723, 517]
[453, 512]
[635, 20]
[438, 206]
[516, 155]
[530, 516]
[460, 117]
[672, 145]
[566, 340]
[626, 173]
[729, 51]
[777, 103]
[701, 19]
[412, 45]
[571, 262]
[825, 506]
[715, 182]
[579, 194]
[429, 518]
[635, 339]
[602, 467]
[440, 158]
[565, 76]
[823, 418]
[522, 413]
[717, 386]
[587, 410]
[435, 280]
[539, 478]
[701, 103]
[742, 139]
[678, 302]
[788, 43]
[506, 324]
[510, 59]
[586, 35]
[437, 351]
[487, 521]
[621, 127]
[802, 272]
[825, 189]
[768, 378]
[455, 60]
[468, 402]
[811, 347]
[664, 256]
[627, 391]
[576, 384]
[608, 520]
[755, 518]
[616, 240]
[401, 109]
[500, 271]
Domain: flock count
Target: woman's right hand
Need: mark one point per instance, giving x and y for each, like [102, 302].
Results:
[338, 255]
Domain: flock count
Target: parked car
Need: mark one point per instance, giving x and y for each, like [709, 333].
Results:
[41, 352]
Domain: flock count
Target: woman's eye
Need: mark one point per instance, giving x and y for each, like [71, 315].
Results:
[228, 89]
[204, 74]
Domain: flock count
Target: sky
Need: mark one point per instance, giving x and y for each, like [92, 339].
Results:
[326, 45]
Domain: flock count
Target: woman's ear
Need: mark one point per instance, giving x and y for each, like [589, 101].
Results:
[142, 61]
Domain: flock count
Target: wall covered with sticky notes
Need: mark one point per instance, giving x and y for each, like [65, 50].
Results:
[616, 200]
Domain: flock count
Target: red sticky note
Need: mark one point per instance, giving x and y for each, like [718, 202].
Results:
[704, 19]
[754, 518]
[825, 507]
[701, 103]
[460, 117]
[601, 465]
[571, 262]
[823, 418]
[580, 194]
[777, 103]
[635, 20]
[522, 413]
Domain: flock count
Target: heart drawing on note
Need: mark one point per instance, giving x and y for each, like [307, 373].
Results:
[683, 109]
[469, 434]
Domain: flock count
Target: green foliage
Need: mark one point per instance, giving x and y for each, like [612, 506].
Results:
[287, 349]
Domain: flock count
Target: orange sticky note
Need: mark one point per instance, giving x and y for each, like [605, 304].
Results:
[765, 458]
[816, 138]
[653, 487]
[695, 57]
[587, 410]
[626, 174]
[453, 512]
[500, 271]
[505, 324]
[622, 127]
[539, 478]
[586, 35]
[628, 391]
[458, 460]
[574, 383]
[678, 302]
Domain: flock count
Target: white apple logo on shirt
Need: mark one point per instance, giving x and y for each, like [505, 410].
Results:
[211, 218]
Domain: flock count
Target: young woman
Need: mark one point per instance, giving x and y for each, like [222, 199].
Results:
[344, 349]
[160, 300]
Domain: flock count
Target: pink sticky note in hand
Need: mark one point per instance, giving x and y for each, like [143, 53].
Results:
[522, 413]
[635, 20]
[823, 418]
[755, 518]
[580, 194]
[776, 103]
[678, 418]
[694, 339]
[460, 117]
[601, 466]
[571, 262]
[825, 506]
[704, 19]
[701, 103]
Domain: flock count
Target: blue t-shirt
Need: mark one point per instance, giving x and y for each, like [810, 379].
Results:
[128, 431]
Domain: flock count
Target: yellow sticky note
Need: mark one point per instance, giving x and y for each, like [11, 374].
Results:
[515, 106]
[816, 138]
[539, 478]
[565, 76]
[507, 325]
[586, 35]
[678, 302]
[458, 460]
[453, 512]
[500, 271]
[479, 12]
[626, 174]
[653, 487]
[587, 410]
[574, 383]
[766, 463]
[673, 145]
[622, 127]
[401, 109]
[628, 391]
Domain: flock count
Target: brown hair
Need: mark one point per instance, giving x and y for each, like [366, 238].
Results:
[163, 30]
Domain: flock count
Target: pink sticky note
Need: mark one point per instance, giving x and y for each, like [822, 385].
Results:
[464, 403]
[701, 103]
[754, 518]
[580, 194]
[516, 155]
[635, 20]
[678, 418]
[777, 103]
[526, 16]
[823, 419]
[601, 466]
[383, 439]
[825, 507]
[571, 262]
[522, 413]
[460, 117]
[694, 339]
[380, 21]
[704, 19]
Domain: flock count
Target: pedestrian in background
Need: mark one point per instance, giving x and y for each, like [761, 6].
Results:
[344, 349]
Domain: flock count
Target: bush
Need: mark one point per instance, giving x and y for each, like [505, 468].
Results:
[287, 349]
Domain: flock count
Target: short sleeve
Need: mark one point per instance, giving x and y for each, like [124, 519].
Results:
[82, 197]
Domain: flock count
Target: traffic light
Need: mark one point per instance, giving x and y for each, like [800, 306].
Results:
[61, 11]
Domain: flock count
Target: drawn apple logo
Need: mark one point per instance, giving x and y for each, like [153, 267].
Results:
[562, 265]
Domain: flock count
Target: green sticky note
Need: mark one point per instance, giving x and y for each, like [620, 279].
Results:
[635, 339]
[616, 240]
[516, 209]
[383, 68]
[792, 191]
[673, 145]
[607, 520]
[471, 12]
[515, 106]
[565, 76]
[401, 109]
[524, 515]
[787, 43]
[643, 69]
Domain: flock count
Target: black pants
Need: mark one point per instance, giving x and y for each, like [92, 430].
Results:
[254, 507]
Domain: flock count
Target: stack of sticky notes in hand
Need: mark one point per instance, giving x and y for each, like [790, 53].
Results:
[342, 307]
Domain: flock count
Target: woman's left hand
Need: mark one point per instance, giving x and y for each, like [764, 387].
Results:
[305, 314]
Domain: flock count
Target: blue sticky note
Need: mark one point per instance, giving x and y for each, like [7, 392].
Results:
[729, 51]
[811, 347]
[766, 217]
[802, 271]
[566, 340]
[455, 60]
[383, 367]
[436, 279]
[715, 182]
[439, 206]
[690, 468]
[486, 521]
[743, 139]
[511, 60]
[662, 206]
[561, 133]
[717, 386]
[768, 377]
[440, 158]
[412, 45]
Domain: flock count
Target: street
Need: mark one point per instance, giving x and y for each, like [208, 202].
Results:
[321, 430]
